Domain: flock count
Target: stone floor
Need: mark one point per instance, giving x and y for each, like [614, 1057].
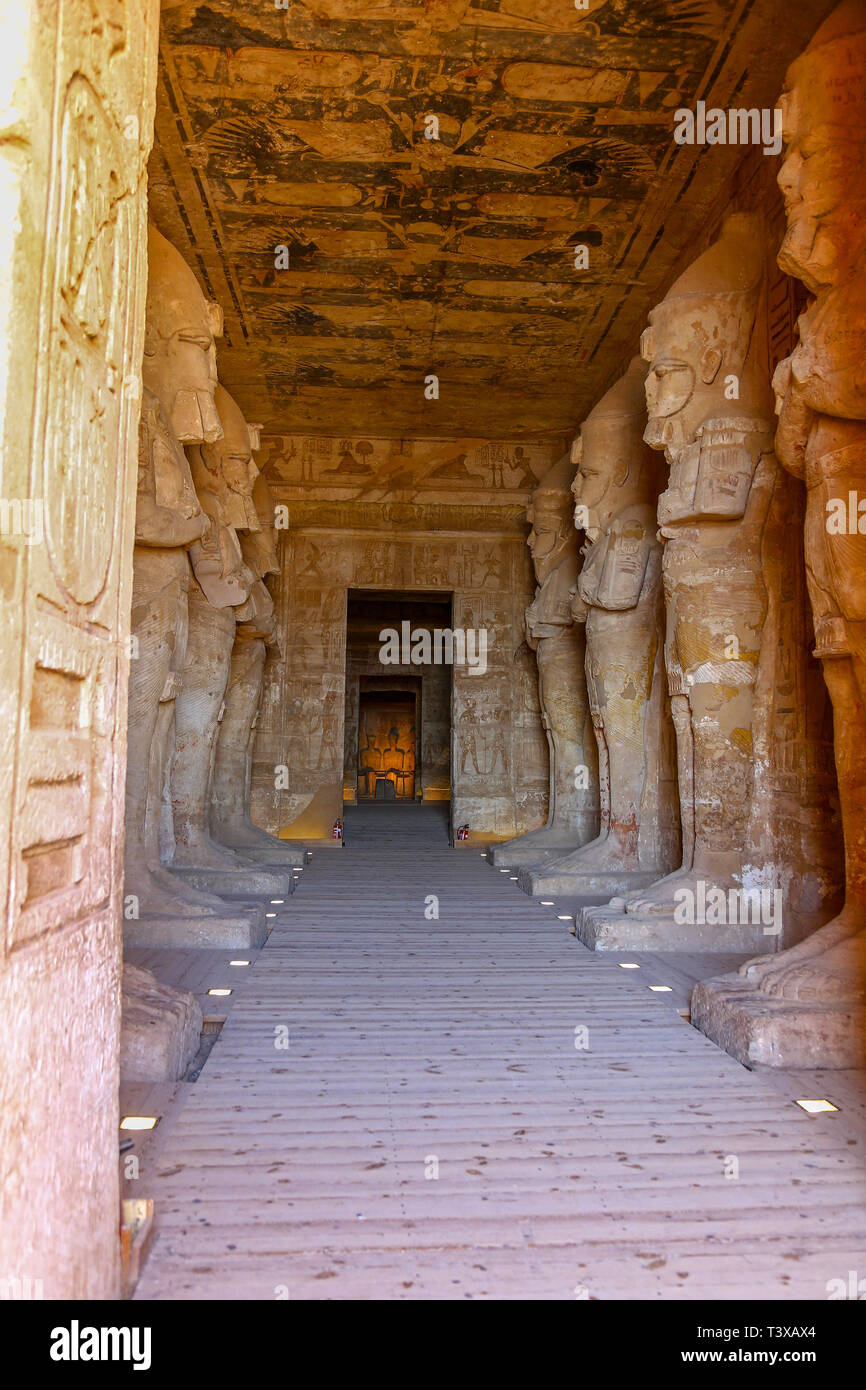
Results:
[419, 1046]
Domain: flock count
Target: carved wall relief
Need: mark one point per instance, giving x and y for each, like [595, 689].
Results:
[78, 93]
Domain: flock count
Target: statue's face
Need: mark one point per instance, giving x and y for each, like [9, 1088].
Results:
[545, 538]
[260, 547]
[591, 482]
[239, 473]
[230, 461]
[823, 109]
[685, 346]
[670, 385]
[182, 371]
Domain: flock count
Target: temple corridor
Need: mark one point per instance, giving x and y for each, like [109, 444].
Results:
[432, 657]
[438, 1126]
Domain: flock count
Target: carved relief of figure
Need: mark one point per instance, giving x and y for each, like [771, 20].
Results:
[467, 725]
[700, 345]
[179, 375]
[616, 492]
[559, 648]
[230, 820]
[807, 1005]
[369, 764]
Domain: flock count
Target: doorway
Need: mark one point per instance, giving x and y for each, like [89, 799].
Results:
[398, 713]
[386, 745]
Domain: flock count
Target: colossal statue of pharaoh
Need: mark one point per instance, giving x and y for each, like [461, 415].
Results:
[619, 596]
[807, 1005]
[559, 648]
[179, 376]
[230, 820]
[224, 474]
[707, 398]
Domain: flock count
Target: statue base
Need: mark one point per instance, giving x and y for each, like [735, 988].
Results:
[240, 931]
[545, 880]
[611, 929]
[760, 1030]
[528, 850]
[238, 883]
[276, 858]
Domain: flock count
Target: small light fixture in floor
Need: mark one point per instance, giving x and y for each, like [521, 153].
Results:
[275, 902]
[512, 878]
[238, 962]
[139, 1122]
[503, 871]
[547, 902]
[563, 917]
[816, 1107]
[219, 992]
[628, 965]
[270, 914]
[661, 989]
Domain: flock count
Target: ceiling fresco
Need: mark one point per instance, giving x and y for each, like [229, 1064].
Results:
[307, 128]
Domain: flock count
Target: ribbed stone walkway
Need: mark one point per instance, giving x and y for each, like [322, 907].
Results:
[420, 1047]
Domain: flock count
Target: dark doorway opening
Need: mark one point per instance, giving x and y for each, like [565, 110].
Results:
[398, 708]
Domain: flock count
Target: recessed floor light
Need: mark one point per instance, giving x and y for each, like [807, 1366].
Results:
[503, 871]
[628, 965]
[238, 962]
[139, 1122]
[816, 1107]
[661, 989]
[275, 902]
[513, 878]
[563, 917]
[219, 992]
[548, 902]
[270, 914]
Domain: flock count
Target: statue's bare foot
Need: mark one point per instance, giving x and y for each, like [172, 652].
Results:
[605, 854]
[658, 900]
[764, 971]
[205, 853]
[151, 896]
[555, 838]
[835, 975]
[200, 902]
[243, 836]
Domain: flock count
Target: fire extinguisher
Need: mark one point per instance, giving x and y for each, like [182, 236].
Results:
[463, 832]
[337, 832]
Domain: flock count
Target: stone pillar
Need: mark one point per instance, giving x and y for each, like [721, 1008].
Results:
[223, 472]
[805, 1007]
[179, 376]
[708, 410]
[616, 492]
[230, 819]
[559, 646]
[179, 370]
[77, 94]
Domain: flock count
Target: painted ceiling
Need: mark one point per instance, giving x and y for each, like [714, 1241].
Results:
[307, 128]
